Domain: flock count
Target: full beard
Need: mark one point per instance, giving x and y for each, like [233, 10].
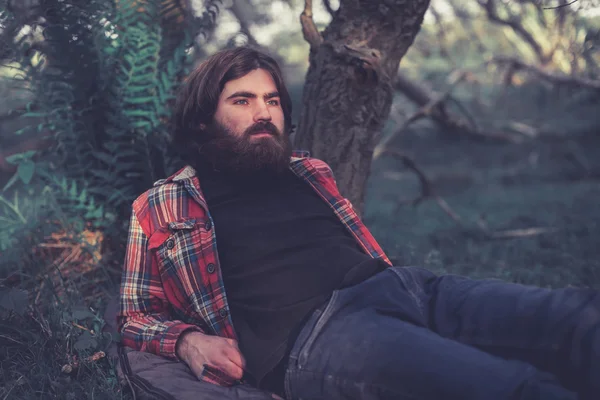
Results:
[242, 155]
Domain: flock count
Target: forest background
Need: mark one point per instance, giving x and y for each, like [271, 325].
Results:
[479, 156]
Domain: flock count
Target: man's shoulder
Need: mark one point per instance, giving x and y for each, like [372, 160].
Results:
[304, 160]
[306, 157]
[164, 190]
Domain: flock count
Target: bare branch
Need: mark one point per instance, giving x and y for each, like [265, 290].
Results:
[425, 110]
[515, 23]
[327, 4]
[467, 22]
[244, 25]
[432, 105]
[555, 78]
[427, 190]
[309, 29]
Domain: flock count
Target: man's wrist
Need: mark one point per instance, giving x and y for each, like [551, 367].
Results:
[181, 347]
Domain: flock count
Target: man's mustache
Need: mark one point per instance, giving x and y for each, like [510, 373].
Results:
[262, 127]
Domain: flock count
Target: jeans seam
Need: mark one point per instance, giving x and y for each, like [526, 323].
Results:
[411, 290]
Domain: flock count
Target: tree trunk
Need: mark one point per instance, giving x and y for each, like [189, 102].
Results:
[349, 85]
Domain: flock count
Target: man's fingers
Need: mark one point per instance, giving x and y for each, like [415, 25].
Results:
[236, 357]
[233, 370]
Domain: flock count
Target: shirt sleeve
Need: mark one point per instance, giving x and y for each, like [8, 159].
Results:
[143, 319]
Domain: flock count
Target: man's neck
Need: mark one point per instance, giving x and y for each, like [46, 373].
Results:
[208, 170]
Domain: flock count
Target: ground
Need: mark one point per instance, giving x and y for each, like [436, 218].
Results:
[550, 183]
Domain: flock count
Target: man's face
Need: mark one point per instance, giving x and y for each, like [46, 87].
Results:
[248, 132]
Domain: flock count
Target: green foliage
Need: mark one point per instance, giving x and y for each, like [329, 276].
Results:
[104, 78]
[562, 40]
[103, 75]
[29, 209]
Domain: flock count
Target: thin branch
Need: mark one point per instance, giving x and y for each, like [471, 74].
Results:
[467, 22]
[560, 6]
[441, 35]
[309, 29]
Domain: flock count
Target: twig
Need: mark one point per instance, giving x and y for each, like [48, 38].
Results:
[43, 323]
[12, 340]
[309, 29]
[560, 6]
[513, 233]
[12, 387]
[68, 368]
[75, 324]
[427, 190]
[37, 297]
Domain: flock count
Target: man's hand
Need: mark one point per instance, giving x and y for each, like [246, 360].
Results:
[197, 349]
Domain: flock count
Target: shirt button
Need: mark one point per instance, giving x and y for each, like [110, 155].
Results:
[170, 244]
[208, 225]
[223, 312]
[210, 268]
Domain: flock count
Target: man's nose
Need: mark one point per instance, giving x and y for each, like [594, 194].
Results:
[261, 113]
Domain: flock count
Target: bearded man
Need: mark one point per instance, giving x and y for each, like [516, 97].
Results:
[249, 271]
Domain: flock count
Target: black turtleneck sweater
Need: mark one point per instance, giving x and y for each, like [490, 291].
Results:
[282, 253]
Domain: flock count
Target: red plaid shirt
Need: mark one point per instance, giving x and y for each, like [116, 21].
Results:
[172, 280]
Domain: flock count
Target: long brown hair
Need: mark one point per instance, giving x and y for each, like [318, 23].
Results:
[199, 95]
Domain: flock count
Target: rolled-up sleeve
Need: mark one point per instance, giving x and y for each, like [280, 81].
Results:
[144, 320]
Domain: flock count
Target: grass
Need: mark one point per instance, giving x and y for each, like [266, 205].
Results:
[36, 347]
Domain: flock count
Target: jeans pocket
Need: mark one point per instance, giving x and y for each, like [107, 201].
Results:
[312, 329]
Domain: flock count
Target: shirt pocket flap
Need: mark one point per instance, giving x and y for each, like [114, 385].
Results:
[162, 234]
[182, 224]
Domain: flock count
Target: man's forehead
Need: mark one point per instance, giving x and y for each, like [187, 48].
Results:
[255, 82]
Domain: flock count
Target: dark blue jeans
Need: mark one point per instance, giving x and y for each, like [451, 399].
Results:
[409, 334]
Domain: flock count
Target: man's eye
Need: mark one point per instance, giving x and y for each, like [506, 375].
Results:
[241, 101]
[273, 102]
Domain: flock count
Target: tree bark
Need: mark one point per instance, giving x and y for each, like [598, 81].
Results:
[349, 85]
